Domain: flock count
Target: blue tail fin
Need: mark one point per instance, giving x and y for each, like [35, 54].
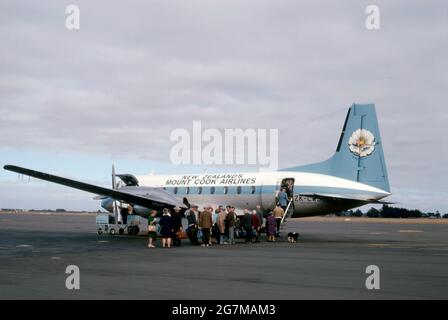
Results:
[359, 154]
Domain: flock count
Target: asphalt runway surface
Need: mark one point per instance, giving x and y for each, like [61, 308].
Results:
[328, 262]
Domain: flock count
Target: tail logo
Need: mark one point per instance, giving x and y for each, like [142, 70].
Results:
[362, 142]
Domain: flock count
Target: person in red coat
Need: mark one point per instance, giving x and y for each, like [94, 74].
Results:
[256, 226]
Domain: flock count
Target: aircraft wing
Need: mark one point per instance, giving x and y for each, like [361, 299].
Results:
[329, 196]
[158, 199]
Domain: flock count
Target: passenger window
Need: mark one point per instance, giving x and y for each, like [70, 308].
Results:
[187, 191]
[199, 190]
[226, 190]
[252, 189]
[238, 190]
[175, 190]
[212, 190]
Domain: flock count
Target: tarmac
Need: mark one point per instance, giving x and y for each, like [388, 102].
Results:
[328, 262]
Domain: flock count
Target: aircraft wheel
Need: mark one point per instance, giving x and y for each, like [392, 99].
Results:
[136, 230]
[112, 231]
[99, 231]
[121, 231]
[131, 230]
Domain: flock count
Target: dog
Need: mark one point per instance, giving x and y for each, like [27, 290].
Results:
[292, 237]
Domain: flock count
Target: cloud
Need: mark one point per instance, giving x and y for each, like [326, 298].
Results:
[135, 72]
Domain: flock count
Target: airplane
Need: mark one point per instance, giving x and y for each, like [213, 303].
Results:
[355, 175]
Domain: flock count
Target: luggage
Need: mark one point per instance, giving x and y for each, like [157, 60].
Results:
[181, 234]
[240, 233]
[254, 233]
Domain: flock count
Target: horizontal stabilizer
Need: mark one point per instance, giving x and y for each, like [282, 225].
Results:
[332, 197]
[382, 202]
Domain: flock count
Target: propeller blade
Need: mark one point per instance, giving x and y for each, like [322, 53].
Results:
[117, 214]
[114, 183]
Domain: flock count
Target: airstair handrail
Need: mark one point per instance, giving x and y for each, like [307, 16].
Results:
[286, 211]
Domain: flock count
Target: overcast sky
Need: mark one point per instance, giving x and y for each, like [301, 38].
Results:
[74, 102]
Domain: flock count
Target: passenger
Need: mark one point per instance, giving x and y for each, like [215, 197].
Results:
[256, 226]
[278, 215]
[198, 216]
[215, 230]
[192, 230]
[283, 199]
[196, 212]
[271, 226]
[125, 213]
[260, 215]
[166, 223]
[152, 230]
[239, 224]
[276, 196]
[206, 223]
[247, 225]
[177, 227]
[230, 224]
[221, 222]
[226, 231]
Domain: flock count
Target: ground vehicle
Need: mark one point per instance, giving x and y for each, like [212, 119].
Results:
[107, 223]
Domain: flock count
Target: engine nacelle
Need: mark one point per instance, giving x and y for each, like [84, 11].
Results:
[141, 211]
[108, 204]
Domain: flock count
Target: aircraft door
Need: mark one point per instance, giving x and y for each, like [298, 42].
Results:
[269, 198]
[288, 185]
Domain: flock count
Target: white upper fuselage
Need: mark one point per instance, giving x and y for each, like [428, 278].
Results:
[249, 189]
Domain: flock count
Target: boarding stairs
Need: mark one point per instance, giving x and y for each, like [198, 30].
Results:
[288, 212]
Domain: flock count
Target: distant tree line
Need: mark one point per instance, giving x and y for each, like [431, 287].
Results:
[391, 212]
[47, 210]
[43, 210]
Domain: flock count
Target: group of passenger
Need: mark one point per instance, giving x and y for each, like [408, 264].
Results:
[170, 228]
[210, 226]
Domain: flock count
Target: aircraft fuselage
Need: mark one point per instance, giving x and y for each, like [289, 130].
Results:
[247, 190]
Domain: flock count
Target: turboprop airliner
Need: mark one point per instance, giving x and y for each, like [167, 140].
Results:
[355, 175]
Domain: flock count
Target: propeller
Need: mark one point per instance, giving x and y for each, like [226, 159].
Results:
[114, 183]
[114, 187]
